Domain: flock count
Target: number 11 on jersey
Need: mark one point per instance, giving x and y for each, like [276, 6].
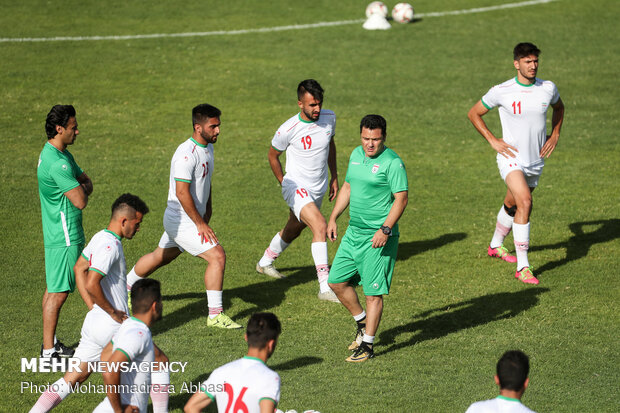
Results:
[515, 106]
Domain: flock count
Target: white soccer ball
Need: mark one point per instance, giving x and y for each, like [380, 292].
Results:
[376, 7]
[402, 12]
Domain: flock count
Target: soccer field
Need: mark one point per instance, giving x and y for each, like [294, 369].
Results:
[134, 70]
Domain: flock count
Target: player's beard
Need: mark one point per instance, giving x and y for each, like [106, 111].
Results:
[208, 138]
[311, 116]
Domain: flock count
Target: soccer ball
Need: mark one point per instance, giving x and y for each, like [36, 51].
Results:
[376, 7]
[402, 13]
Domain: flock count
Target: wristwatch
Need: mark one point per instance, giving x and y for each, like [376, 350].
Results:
[386, 230]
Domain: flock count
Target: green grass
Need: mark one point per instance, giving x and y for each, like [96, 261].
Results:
[452, 311]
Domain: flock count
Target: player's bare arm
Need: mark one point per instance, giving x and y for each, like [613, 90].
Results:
[274, 162]
[78, 197]
[401, 199]
[81, 273]
[267, 406]
[342, 202]
[475, 116]
[93, 286]
[86, 183]
[112, 380]
[209, 207]
[333, 170]
[187, 202]
[556, 124]
[198, 402]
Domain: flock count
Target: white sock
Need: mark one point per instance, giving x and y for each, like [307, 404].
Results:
[47, 352]
[319, 254]
[52, 397]
[502, 227]
[368, 339]
[360, 316]
[521, 235]
[160, 382]
[132, 277]
[276, 247]
[214, 302]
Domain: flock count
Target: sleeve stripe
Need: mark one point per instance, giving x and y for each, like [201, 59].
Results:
[125, 353]
[97, 271]
[279, 150]
[183, 180]
[212, 397]
[85, 257]
[268, 398]
[485, 105]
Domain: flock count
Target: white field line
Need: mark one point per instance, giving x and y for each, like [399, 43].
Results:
[261, 30]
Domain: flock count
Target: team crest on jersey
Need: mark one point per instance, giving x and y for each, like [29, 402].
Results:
[375, 168]
[108, 248]
[64, 167]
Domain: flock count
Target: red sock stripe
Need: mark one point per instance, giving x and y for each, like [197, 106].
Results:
[271, 253]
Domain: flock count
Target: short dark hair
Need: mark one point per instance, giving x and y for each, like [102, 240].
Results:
[59, 115]
[129, 201]
[144, 293]
[512, 370]
[374, 122]
[203, 112]
[310, 86]
[525, 49]
[262, 327]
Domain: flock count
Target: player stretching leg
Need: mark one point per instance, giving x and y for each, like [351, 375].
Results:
[308, 139]
[523, 102]
[188, 214]
[101, 271]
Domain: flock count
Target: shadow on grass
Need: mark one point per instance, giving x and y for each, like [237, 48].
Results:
[182, 394]
[264, 295]
[478, 311]
[579, 244]
[408, 249]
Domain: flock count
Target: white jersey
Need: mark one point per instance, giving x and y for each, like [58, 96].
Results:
[245, 381]
[192, 163]
[134, 339]
[500, 404]
[307, 147]
[105, 255]
[523, 114]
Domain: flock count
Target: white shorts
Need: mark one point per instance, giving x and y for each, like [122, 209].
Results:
[531, 173]
[297, 196]
[97, 331]
[183, 236]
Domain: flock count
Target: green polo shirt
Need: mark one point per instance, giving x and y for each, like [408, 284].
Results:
[374, 181]
[62, 222]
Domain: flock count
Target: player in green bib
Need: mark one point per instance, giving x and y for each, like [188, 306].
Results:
[63, 189]
[376, 191]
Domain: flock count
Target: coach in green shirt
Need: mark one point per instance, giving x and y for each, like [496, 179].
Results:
[376, 192]
[63, 190]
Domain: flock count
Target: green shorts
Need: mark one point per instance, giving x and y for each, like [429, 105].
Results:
[59, 263]
[357, 262]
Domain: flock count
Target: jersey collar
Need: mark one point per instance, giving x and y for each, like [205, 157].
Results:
[253, 358]
[521, 84]
[304, 121]
[113, 233]
[510, 399]
[138, 320]
[199, 144]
